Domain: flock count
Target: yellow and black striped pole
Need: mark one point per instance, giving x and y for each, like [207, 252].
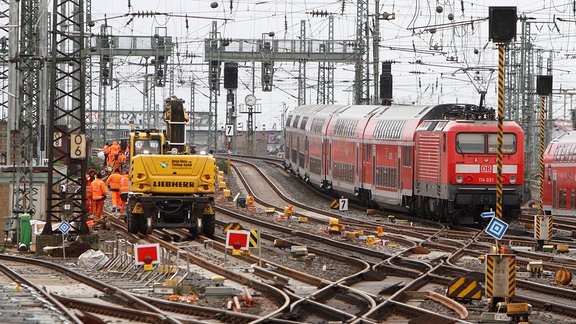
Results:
[500, 133]
[544, 89]
[502, 29]
[542, 139]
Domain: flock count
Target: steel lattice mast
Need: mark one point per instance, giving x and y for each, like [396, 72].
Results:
[27, 72]
[66, 117]
[361, 79]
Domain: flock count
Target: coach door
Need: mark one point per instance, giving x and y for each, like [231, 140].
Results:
[329, 161]
[323, 159]
[399, 172]
[367, 166]
[359, 157]
[554, 192]
[306, 165]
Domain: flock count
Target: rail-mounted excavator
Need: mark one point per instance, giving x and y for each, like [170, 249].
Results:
[171, 186]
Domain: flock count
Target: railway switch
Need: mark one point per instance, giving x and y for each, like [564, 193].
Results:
[299, 251]
[536, 268]
[517, 311]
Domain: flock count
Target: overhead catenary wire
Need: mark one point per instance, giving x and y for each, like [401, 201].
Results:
[465, 34]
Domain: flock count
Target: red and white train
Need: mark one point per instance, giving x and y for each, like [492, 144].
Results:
[560, 176]
[437, 161]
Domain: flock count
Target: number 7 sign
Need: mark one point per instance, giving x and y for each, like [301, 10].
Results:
[229, 130]
[343, 204]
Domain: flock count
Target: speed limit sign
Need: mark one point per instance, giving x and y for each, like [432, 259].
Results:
[78, 146]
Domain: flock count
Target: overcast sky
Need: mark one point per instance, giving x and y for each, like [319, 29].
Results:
[444, 57]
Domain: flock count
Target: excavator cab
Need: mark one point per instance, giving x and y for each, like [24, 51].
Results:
[176, 118]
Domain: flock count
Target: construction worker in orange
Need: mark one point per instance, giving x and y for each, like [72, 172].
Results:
[125, 187]
[120, 161]
[99, 193]
[91, 176]
[106, 151]
[113, 155]
[114, 182]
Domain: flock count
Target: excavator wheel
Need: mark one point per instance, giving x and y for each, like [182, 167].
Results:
[132, 222]
[193, 231]
[147, 227]
[141, 221]
[208, 225]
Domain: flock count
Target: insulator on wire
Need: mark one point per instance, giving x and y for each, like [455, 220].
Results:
[319, 13]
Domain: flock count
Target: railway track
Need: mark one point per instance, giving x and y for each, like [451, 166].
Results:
[77, 297]
[449, 242]
[401, 281]
[358, 279]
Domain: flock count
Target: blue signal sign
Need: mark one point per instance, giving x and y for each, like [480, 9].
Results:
[488, 214]
[497, 228]
[64, 227]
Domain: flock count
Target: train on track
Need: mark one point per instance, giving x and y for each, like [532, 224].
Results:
[438, 161]
[560, 176]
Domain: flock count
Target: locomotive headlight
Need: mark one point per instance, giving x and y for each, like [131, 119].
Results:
[459, 179]
[512, 179]
[469, 179]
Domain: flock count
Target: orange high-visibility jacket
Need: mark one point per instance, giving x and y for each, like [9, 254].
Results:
[114, 181]
[125, 182]
[99, 190]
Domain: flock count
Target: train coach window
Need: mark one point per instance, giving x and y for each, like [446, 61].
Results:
[317, 125]
[440, 126]
[303, 123]
[295, 123]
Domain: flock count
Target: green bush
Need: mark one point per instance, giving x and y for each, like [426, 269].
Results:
[222, 165]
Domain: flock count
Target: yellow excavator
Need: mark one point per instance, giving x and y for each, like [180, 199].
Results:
[170, 185]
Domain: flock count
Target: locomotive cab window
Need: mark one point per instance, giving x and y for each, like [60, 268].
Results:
[508, 143]
[481, 143]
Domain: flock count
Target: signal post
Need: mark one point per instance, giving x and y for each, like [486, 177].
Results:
[542, 222]
[500, 268]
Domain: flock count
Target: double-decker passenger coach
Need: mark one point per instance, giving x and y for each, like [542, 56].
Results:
[560, 176]
[438, 161]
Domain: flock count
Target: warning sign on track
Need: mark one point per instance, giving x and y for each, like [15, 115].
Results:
[238, 240]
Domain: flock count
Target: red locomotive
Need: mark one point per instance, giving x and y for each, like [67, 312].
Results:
[560, 176]
[437, 161]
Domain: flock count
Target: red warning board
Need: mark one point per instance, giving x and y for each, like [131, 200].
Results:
[237, 240]
[144, 252]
